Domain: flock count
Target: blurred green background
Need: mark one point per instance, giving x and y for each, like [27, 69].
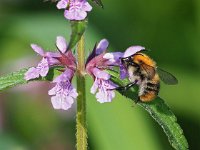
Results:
[171, 29]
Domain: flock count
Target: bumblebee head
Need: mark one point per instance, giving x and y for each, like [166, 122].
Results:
[127, 61]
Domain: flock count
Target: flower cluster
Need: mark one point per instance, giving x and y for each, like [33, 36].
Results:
[95, 66]
[63, 93]
[74, 9]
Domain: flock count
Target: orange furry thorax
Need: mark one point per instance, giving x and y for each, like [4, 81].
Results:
[143, 58]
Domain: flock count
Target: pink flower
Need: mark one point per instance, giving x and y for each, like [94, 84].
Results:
[43, 66]
[63, 94]
[95, 67]
[74, 9]
[103, 84]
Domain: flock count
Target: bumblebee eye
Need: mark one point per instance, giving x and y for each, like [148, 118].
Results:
[122, 60]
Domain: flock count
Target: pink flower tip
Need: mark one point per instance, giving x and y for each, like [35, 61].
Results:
[74, 9]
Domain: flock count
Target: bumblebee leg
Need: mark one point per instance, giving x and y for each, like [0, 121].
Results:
[124, 88]
[128, 86]
[121, 89]
[137, 100]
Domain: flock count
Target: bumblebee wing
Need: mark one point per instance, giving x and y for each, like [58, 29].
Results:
[149, 70]
[167, 77]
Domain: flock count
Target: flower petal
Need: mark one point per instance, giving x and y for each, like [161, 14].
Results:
[43, 67]
[123, 72]
[67, 75]
[61, 44]
[67, 102]
[52, 54]
[101, 97]
[132, 50]
[105, 92]
[114, 57]
[100, 74]
[32, 73]
[94, 87]
[53, 58]
[104, 97]
[73, 93]
[74, 14]
[86, 6]
[56, 102]
[62, 4]
[54, 90]
[64, 94]
[102, 46]
[38, 49]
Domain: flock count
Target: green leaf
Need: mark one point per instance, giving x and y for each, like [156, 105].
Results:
[17, 78]
[12, 79]
[160, 111]
[78, 28]
[98, 2]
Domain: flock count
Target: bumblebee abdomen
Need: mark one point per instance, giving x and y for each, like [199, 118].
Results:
[149, 89]
[148, 97]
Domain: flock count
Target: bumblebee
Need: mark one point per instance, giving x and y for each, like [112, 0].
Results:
[143, 71]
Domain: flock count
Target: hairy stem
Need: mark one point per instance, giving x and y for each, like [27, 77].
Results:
[81, 133]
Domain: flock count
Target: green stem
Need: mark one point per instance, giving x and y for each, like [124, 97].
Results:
[81, 134]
